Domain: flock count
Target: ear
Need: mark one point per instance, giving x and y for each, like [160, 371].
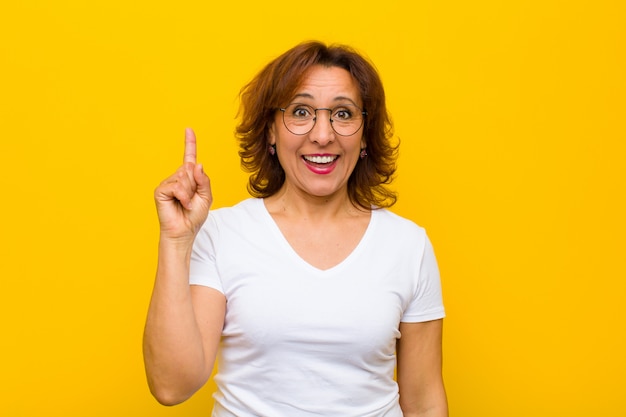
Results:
[363, 143]
[272, 134]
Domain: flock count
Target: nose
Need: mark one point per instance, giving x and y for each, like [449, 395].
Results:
[322, 131]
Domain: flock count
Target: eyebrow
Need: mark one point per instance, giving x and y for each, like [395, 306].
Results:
[338, 98]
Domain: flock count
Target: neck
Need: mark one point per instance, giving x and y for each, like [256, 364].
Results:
[292, 203]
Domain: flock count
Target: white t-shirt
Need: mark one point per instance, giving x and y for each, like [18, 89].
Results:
[300, 341]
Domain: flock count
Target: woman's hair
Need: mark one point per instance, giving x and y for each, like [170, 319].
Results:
[277, 83]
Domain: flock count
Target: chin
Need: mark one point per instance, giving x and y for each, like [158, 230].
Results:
[324, 191]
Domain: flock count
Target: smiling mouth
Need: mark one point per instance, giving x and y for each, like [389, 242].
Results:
[320, 159]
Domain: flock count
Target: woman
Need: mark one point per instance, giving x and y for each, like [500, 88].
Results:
[312, 291]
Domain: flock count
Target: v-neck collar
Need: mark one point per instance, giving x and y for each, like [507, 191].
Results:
[275, 230]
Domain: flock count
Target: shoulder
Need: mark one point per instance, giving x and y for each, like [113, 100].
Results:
[395, 225]
[243, 216]
[247, 208]
[244, 206]
[397, 235]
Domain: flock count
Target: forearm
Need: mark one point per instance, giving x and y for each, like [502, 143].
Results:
[433, 412]
[435, 405]
[174, 357]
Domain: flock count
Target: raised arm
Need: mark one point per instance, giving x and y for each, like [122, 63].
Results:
[420, 380]
[184, 322]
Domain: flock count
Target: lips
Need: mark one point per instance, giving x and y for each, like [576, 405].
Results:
[320, 164]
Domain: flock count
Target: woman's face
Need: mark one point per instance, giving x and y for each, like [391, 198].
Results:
[319, 162]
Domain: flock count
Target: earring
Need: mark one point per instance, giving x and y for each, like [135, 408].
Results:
[363, 153]
[272, 149]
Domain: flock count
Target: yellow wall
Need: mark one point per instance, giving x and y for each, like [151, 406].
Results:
[512, 117]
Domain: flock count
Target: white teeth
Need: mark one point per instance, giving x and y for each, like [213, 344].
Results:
[320, 159]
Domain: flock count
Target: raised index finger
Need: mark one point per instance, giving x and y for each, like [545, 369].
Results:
[190, 146]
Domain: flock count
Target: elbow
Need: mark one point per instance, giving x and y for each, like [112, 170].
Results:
[169, 395]
[170, 388]
[168, 399]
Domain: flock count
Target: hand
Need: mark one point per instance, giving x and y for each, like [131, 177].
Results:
[183, 199]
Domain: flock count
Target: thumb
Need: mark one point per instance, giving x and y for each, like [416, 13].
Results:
[203, 183]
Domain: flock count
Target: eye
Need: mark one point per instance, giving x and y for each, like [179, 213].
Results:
[342, 114]
[299, 111]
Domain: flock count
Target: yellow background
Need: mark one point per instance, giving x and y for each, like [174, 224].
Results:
[512, 121]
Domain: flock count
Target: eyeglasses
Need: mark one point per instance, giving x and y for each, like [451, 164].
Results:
[345, 119]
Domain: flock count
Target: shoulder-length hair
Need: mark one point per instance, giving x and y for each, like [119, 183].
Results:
[276, 84]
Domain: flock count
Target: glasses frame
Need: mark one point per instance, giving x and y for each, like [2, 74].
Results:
[330, 113]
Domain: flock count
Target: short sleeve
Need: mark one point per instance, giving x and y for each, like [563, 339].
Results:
[203, 268]
[427, 302]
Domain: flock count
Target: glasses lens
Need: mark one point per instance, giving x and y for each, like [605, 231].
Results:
[345, 119]
[299, 118]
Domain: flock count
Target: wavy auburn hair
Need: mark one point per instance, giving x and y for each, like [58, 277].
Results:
[275, 86]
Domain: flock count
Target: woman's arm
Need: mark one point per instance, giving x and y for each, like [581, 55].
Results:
[184, 322]
[182, 332]
[419, 371]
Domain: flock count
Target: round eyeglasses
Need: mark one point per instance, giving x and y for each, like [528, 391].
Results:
[345, 119]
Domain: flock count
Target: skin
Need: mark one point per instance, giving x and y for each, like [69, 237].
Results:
[184, 322]
[323, 87]
[312, 195]
[419, 363]
[313, 211]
